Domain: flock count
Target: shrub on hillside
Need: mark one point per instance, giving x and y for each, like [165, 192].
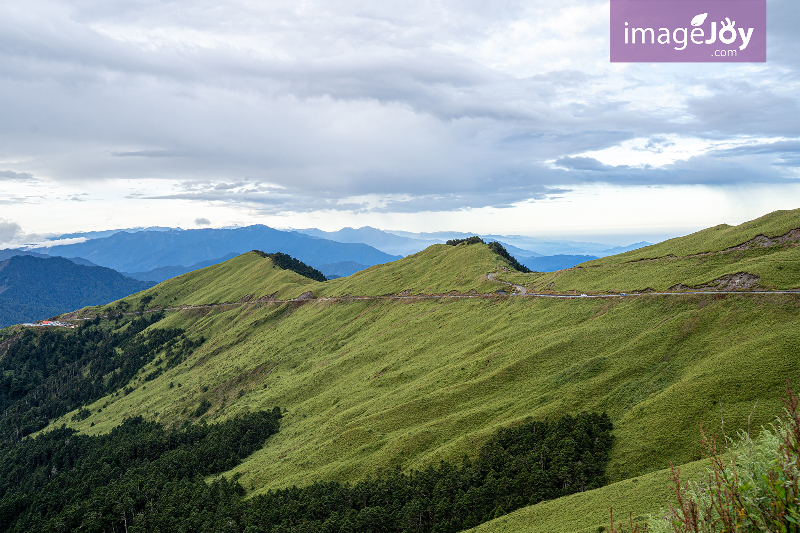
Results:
[500, 250]
[469, 240]
[755, 486]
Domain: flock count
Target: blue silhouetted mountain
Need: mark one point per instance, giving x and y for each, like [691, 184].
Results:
[34, 288]
[164, 273]
[341, 269]
[551, 263]
[407, 243]
[147, 250]
[382, 240]
[9, 252]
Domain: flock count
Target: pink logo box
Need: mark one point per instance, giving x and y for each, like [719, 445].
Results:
[696, 31]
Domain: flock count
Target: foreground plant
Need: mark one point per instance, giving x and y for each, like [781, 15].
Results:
[755, 486]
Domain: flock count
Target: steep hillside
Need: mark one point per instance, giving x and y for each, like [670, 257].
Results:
[378, 380]
[719, 238]
[371, 384]
[246, 277]
[763, 254]
[33, 288]
[438, 269]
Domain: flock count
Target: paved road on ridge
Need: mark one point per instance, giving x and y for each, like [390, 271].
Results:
[520, 288]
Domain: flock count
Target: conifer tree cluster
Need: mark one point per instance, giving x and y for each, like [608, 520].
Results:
[494, 246]
[47, 373]
[287, 262]
[144, 477]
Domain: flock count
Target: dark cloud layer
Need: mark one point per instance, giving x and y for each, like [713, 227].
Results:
[389, 106]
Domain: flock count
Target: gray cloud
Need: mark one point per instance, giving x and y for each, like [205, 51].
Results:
[151, 153]
[201, 222]
[296, 110]
[16, 176]
[585, 163]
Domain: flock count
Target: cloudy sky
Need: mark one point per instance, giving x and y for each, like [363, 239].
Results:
[494, 117]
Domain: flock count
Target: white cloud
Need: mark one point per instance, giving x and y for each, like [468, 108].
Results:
[9, 231]
[54, 243]
[271, 109]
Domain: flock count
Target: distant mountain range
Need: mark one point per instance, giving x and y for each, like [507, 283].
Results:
[553, 255]
[9, 252]
[164, 273]
[147, 250]
[156, 254]
[551, 263]
[530, 246]
[33, 288]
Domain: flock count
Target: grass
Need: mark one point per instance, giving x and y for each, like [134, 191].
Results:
[695, 261]
[777, 268]
[373, 384]
[714, 239]
[438, 269]
[244, 275]
[586, 512]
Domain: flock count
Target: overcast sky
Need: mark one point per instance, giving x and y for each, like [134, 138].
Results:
[494, 117]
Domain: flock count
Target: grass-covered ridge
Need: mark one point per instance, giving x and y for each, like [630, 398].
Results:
[246, 277]
[381, 383]
[438, 269]
[715, 239]
[373, 385]
[763, 254]
[251, 277]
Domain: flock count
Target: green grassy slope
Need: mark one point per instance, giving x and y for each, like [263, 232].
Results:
[776, 269]
[374, 384]
[714, 239]
[437, 269]
[585, 512]
[245, 275]
[698, 261]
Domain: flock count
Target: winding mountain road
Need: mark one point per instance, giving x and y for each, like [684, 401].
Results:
[522, 290]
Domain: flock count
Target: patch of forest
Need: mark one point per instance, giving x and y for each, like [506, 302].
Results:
[45, 373]
[139, 477]
[144, 477]
[518, 466]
